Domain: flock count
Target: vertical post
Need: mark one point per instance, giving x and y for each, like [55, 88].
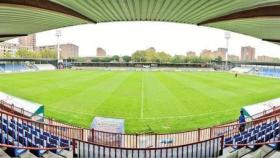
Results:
[12, 107]
[136, 140]
[58, 35]
[198, 135]
[222, 145]
[92, 133]
[227, 37]
[155, 140]
[82, 134]
[22, 111]
[74, 148]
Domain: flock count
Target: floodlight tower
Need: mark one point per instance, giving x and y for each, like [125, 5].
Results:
[58, 35]
[227, 38]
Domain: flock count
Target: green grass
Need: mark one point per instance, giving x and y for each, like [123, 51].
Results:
[148, 101]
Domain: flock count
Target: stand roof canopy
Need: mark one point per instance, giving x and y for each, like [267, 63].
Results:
[257, 18]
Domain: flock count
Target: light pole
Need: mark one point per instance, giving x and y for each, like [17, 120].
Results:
[58, 35]
[227, 37]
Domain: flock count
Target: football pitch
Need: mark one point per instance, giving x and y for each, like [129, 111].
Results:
[148, 101]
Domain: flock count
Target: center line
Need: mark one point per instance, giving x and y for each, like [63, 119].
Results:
[142, 98]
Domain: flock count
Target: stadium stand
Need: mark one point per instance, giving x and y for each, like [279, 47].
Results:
[1, 68]
[268, 71]
[25, 68]
[15, 68]
[22, 136]
[260, 70]
[44, 67]
[242, 69]
[260, 139]
[178, 69]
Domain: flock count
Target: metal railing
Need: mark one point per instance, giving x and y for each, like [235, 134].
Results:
[12, 124]
[207, 142]
[231, 130]
[207, 148]
[140, 140]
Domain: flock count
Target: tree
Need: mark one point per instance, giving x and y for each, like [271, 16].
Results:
[178, 59]
[95, 59]
[138, 56]
[126, 58]
[24, 53]
[116, 58]
[150, 55]
[163, 57]
[5, 55]
[47, 53]
[102, 59]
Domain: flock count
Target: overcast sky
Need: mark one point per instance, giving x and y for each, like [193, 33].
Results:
[124, 38]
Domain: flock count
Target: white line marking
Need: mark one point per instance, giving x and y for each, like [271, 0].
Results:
[57, 110]
[142, 98]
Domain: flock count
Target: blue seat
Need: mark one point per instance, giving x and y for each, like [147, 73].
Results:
[11, 132]
[262, 128]
[247, 135]
[238, 139]
[30, 127]
[43, 137]
[54, 137]
[40, 142]
[261, 133]
[23, 140]
[5, 121]
[267, 137]
[4, 127]
[277, 145]
[239, 143]
[243, 133]
[256, 131]
[53, 141]
[56, 151]
[229, 142]
[276, 131]
[38, 130]
[28, 135]
[46, 134]
[251, 139]
[251, 130]
[20, 130]
[34, 133]
[38, 153]
[19, 124]
[15, 152]
[235, 136]
[65, 141]
[255, 147]
[12, 125]
[3, 138]
[25, 128]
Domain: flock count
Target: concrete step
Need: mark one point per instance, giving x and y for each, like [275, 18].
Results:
[260, 153]
[27, 154]
[236, 153]
[49, 154]
[66, 153]
[275, 154]
[3, 154]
